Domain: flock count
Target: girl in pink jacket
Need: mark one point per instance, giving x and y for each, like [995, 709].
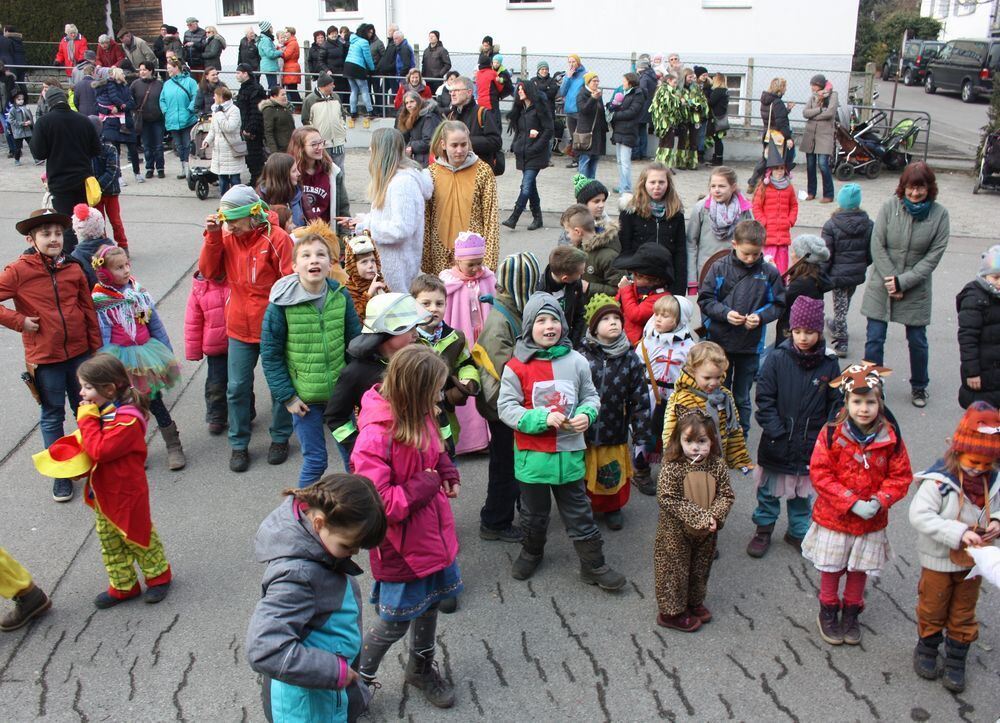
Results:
[465, 282]
[400, 450]
[205, 336]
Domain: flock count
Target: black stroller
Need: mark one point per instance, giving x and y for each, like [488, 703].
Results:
[200, 178]
[989, 164]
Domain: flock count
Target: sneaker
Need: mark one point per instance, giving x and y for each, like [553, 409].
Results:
[28, 605]
[573, 163]
[161, 174]
[106, 600]
[239, 461]
[277, 453]
[919, 398]
[702, 613]
[139, 178]
[156, 593]
[685, 622]
[17, 162]
[149, 173]
[828, 622]
[508, 534]
[62, 490]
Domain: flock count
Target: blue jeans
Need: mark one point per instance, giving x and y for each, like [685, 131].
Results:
[56, 383]
[152, 144]
[916, 340]
[823, 160]
[182, 142]
[769, 510]
[640, 148]
[739, 380]
[529, 191]
[227, 181]
[360, 85]
[272, 80]
[624, 154]
[587, 165]
[242, 359]
[312, 439]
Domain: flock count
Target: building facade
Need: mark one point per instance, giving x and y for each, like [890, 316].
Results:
[964, 18]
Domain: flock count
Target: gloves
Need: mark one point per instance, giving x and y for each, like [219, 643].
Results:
[866, 509]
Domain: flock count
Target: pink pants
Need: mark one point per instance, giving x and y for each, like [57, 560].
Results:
[108, 205]
[854, 588]
[779, 255]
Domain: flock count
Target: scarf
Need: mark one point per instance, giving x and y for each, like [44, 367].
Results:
[659, 210]
[122, 307]
[809, 359]
[862, 438]
[619, 347]
[431, 336]
[723, 216]
[919, 211]
[780, 183]
[716, 402]
[554, 352]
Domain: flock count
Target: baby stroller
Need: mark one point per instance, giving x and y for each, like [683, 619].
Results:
[853, 156]
[989, 164]
[893, 151]
[201, 178]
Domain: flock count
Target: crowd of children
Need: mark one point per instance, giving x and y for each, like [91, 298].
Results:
[576, 377]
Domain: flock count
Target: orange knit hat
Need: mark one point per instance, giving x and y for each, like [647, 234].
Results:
[979, 431]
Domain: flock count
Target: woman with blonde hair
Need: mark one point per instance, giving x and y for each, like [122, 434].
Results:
[774, 114]
[718, 118]
[464, 199]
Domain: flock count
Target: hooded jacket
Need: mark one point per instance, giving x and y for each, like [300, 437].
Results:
[531, 153]
[732, 285]
[307, 620]
[212, 54]
[625, 125]
[291, 70]
[978, 308]
[175, 102]
[536, 382]
[570, 88]
[723, 411]
[940, 514]
[223, 136]
[848, 235]
[421, 537]
[279, 123]
[669, 233]
[325, 113]
[303, 345]
[666, 352]
[418, 138]
[365, 368]
[494, 349]
[600, 273]
[205, 319]
[793, 403]
[620, 380]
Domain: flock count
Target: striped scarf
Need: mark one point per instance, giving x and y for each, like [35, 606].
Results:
[122, 307]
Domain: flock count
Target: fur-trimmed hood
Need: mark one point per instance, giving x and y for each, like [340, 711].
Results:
[602, 239]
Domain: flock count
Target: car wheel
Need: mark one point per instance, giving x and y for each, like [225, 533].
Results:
[908, 77]
[968, 94]
[929, 84]
[844, 172]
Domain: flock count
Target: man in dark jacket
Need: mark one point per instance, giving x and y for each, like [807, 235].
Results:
[647, 83]
[84, 94]
[483, 130]
[435, 62]
[248, 100]
[68, 143]
[194, 44]
[248, 53]
[385, 67]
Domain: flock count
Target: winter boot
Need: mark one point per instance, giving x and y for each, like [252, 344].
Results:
[701, 157]
[717, 161]
[28, 605]
[422, 673]
[184, 171]
[350, 121]
[536, 217]
[761, 541]
[644, 482]
[175, 453]
[829, 624]
[794, 541]
[511, 221]
[593, 568]
[215, 400]
[925, 656]
[954, 665]
[532, 549]
[850, 629]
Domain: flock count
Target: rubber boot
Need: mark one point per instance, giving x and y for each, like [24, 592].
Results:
[925, 656]
[532, 549]
[536, 217]
[422, 673]
[761, 541]
[954, 665]
[511, 221]
[175, 453]
[28, 604]
[593, 569]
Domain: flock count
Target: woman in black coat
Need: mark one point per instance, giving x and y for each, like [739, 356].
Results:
[625, 124]
[317, 61]
[590, 119]
[655, 214]
[979, 334]
[774, 115]
[531, 120]
[718, 105]
[417, 121]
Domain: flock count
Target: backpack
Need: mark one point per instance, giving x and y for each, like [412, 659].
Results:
[499, 162]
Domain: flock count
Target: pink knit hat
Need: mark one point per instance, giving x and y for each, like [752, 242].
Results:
[87, 222]
[470, 245]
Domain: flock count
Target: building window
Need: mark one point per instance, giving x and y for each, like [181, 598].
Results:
[529, 4]
[341, 6]
[734, 84]
[236, 8]
[965, 7]
[942, 8]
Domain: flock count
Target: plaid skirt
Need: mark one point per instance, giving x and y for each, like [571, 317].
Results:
[832, 551]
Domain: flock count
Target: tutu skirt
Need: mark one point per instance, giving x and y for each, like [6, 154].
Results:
[151, 367]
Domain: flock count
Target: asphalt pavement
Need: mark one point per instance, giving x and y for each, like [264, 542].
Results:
[550, 649]
[955, 126]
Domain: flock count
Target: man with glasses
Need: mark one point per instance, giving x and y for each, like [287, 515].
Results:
[483, 130]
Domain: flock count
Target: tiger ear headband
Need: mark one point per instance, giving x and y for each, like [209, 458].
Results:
[861, 377]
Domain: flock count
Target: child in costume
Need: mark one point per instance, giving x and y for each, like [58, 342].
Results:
[619, 378]
[305, 634]
[695, 115]
[979, 333]
[695, 496]
[415, 569]
[663, 350]
[364, 272]
[668, 116]
[88, 224]
[859, 469]
[133, 333]
[794, 401]
[776, 207]
[205, 336]
[649, 279]
[109, 176]
[957, 505]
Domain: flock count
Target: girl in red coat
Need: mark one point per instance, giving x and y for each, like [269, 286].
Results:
[205, 336]
[112, 420]
[859, 469]
[777, 208]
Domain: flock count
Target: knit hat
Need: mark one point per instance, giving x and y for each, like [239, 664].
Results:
[979, 431]
[587, 77]
[87, 222]
[245, 68]
[849, 196]
[324, 81]
[542, 64]
[599, 306]
[497, 58]
[642, 62]
[811, 248]
[575, 57]
[700, 70]
[264, 26]
[393, 314]
[818, 79]
[518, 275]
[990, 261]
[55, 95]
[807, 313]
[469, 245]
[191, 19]
[861, 377]
[586, 189]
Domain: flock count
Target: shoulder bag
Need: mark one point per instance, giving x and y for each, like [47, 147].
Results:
[239, 148]
[583, 141]
[137, 113]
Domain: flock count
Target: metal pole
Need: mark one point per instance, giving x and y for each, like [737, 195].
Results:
[869, 90]
[748, 103]
[899, 72]
[524, 63]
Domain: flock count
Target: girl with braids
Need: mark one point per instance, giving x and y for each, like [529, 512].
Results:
[305, 634]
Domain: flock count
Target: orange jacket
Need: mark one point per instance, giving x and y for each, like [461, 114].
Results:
[291, 69]
[60, 297]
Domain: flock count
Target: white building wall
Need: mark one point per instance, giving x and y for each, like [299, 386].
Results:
[969, 19]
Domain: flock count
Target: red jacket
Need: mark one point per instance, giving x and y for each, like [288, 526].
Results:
[777, 209]
[291, 68]
[111, 57]
[425, 92]
[62, 56]
[251, 265]
[845, 472]
[60, 298]
[637, 309]
[487, 87]
[205, 319]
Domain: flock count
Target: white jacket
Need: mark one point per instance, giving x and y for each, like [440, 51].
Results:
[224, 134]
[326, 116]
[934, 513]
[667, 352]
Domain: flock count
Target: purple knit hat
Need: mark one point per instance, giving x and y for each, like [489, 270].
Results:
[807, 314]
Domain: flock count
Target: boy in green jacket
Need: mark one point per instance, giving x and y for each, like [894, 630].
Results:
[308, 324]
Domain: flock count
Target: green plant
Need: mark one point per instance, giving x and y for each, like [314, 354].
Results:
[881, 24]
[47, 26]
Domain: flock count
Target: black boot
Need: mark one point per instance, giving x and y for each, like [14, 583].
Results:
[954, 665]
[701, 157]
[717, 161]
[925, 656]
[422, 672]
[511, 221]
[536, 217]
[532, 549]
[215, 401]
[593, 568]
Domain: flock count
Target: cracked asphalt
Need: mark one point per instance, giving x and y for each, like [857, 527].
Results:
[550, 649]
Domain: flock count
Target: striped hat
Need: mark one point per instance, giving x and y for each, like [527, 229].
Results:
[519, 275]
[979, 431]
[264, 26]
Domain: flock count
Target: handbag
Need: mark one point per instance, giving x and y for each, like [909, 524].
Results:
[239, 148]
[137, 113]
[583, 141]
[960, 556]
[722, 124]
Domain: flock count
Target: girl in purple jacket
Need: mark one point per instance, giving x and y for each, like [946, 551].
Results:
[400, 449]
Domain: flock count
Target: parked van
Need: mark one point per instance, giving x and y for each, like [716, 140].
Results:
[917, 55]
[964, 66]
